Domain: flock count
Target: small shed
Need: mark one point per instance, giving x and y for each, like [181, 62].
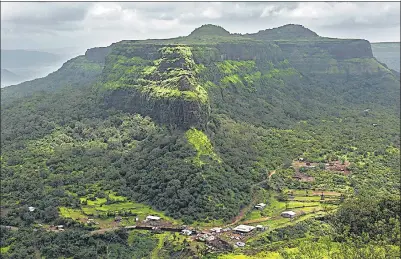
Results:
[260, 227]
[118, 218]
[153, 218]
[216, 230]
[260, 206]
[244, 228]
[186, 232]
[288, 214]
[31, 209]
[60, 227]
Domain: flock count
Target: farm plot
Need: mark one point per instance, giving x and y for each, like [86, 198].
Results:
[110, 211]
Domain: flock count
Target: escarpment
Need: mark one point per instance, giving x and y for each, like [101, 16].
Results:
[164, 87]
[178, 82]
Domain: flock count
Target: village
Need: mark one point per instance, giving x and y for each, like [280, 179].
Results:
[298, 205]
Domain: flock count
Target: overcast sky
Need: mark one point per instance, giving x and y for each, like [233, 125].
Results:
[85, 25]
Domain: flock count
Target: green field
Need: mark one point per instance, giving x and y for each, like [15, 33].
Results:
[104, 213]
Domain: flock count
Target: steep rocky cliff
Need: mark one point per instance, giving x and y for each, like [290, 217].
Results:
[176, 81]
[160, 82]
[179, 81]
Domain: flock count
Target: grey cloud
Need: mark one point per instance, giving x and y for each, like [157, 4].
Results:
[45, 13]
[83, 23]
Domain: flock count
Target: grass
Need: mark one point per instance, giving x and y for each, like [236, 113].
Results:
[264, 255]
[230, 66]
[98, 209]
[133, 73]
[159, 246]
[211, 223]
[280, 222]
[309, 205]
[4, 249]
[71, 213]
[202, 145]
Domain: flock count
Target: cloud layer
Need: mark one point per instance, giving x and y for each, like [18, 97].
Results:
[54, 25]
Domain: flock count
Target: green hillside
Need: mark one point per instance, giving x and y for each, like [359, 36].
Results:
[197, 130]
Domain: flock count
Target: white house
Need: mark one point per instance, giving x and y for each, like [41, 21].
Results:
[31, 209]
[288, 214]
[244, 228]
[154, 218]
[260, 206]
[60, 227]
[186, 232]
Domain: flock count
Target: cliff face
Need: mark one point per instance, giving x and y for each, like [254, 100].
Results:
[176, 113]
[335, 48]
[156, 81]
[97, 54]
[175, 83]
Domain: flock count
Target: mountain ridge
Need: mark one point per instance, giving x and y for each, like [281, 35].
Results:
[197, 131]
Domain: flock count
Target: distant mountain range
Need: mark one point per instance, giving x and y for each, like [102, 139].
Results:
[19, 65]
[8, 76]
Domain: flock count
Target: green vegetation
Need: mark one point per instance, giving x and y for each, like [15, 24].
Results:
[4, 249]
[230, 66]
[172, 76]
[103, 210]
[198, 131]
[74, 73]
[202, 145]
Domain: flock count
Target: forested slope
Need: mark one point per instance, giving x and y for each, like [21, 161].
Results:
[189, 125]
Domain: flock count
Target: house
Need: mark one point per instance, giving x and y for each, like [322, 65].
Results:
[260, 227]
[216, 230]
[31, 209]
[260, 206]
[244, 228]
[60, 227]
[288, 214]
[118, 218]
[186, 232]
[301, 159]
[240, 244]
[153, 218]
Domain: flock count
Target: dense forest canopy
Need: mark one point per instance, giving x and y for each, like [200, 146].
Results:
[196, 129]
